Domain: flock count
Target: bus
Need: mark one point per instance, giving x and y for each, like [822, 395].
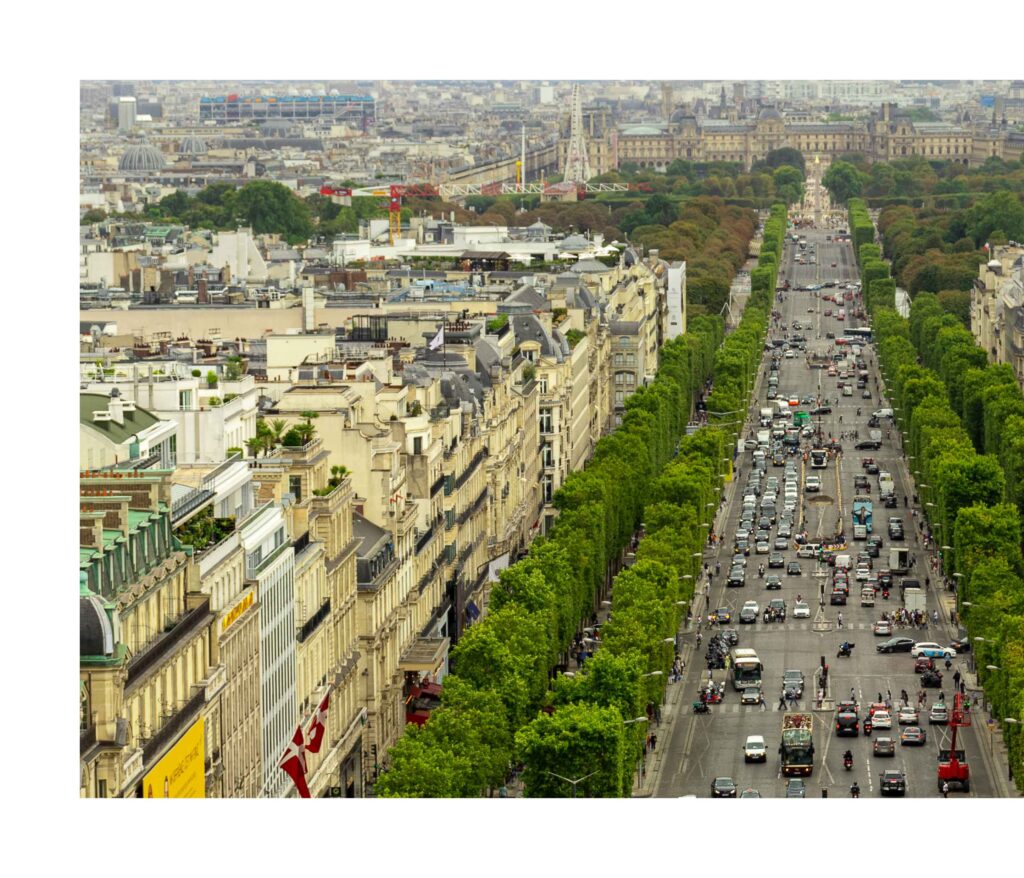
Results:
[746, 669]
[797, 747]
[861, 335]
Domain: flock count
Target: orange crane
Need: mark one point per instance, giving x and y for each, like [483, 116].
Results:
[394, 192]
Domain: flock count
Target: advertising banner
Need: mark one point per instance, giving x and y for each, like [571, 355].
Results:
[181, 773]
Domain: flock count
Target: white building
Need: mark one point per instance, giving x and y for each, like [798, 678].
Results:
[270, 561]
[210, 420]
[113, 430]
[676, 293]
[238, 252]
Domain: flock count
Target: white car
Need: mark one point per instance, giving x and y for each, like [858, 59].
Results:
[863, 574]
[932, 650]
[801, 611]
[881, 719]
[812, 483]
[907, 716]
[752, 605]
[754, 750]
[789, 355]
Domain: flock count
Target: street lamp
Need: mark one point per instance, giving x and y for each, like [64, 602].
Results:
[571, 781]
[639, 719]
[654, 673]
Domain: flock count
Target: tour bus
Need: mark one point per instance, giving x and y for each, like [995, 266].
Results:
[746, 669]
[861, 335]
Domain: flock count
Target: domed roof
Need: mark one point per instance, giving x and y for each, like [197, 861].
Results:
[95, 633]
[642, 129]
[192, 145]
[141, 157]
[769, 113]
[681, 115]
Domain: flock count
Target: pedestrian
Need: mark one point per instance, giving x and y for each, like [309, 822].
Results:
[945, 789]
[821, 696]
[963, 688]
[904, 697]
[853, 694]
[888, 698]
[840, 619]
[956, 678]
[761, 701]
[782, 700]
[654, 742]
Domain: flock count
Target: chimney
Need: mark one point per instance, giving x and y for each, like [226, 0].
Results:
[204, 296]
[116, 407]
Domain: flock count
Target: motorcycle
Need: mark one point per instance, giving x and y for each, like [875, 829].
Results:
[848, 762]
[868, 726]
[845, 652]
[701, 707]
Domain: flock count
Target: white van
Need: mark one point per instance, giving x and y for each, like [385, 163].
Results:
[766, 417]
[843, 562]
[808, 550]
[882, 413]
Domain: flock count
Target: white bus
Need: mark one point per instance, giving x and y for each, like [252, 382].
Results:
[746, 669]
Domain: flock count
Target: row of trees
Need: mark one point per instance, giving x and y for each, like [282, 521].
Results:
[916, 180]
[503, 702]
[962, 419]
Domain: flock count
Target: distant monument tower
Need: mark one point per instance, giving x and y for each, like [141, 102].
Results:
[666, 101]
[577, 159]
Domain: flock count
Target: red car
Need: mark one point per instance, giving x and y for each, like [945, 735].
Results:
[923, 663]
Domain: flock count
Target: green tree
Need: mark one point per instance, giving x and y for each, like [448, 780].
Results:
[267, 206]
[843, 181]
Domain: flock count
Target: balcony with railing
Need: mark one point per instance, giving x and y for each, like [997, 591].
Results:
[165, 644]
[175, 723]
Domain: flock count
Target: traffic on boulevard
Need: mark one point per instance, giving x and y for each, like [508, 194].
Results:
[819, 661]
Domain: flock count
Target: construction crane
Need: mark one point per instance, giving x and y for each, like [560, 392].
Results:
[953, 768]
[395, 192]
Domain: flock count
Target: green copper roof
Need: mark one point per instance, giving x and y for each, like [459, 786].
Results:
[134, 421]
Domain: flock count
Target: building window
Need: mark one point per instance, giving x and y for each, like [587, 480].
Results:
[546, 485]
[543, 385]
[547, 455]
[417, 445]
[295, 487]
[545, 421]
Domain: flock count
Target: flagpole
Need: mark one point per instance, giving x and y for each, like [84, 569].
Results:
[444, 346]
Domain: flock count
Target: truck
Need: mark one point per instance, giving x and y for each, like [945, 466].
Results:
[899, 559]
[913, 598]
[797, 748]
[886, 485]
[763, 437]
[953, 767]
[861, 517]
[819, 458]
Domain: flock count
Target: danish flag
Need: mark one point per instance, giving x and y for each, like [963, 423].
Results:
[293, 762]
[318, 725]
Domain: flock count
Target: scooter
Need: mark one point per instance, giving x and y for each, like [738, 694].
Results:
[848, 762]
[701, 707]
[845, 652]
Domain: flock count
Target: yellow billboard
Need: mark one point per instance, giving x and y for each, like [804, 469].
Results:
[181, 773]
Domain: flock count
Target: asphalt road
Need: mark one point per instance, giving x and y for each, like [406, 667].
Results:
[700, 748]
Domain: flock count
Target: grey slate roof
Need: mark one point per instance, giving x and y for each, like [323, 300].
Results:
[527, 327]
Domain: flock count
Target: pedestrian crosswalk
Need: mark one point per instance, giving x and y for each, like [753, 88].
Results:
[806, 625]
[735, 707]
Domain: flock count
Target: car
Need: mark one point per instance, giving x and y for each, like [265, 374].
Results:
[907, 716]
[762, 547]
[913, 736]
[827, 312]
[861, 483]
[773, 582]
[785, 529]
[881, 719]
[743, 546]
[868, 444]
[778, 607]
[922, 663]
[789, 354]
[730, 636]
[751, 695]
[884, 747]
[749, 444]
[750, 793]
[938, 715]
[752, 605]
[748, 616]
[801, 610]
[865, 394]
[961, 645]
[736, 579]
[894, 783]
[896, 644]
[862, 574]
[796, 788]
[871, 469]
[931, 679]
[847, 724]
[780, 544]
[793, 569]
[882, 627]
[812, 483]
[932, 650]
[838, 597]
[723, 615]
[822, 410]
[793, 680]
[723, 788]
[775, 559]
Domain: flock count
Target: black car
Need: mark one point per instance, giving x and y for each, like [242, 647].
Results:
[894, 782]
[896, 644]
[847, 724]
[931, 679]
[731, 636]
[773, 582]
[822, 410]
[871, 444]
[723, 788]
[838, 597]
[793, 680]
[889, 500]
[736, 580]
[748, 616]
[796, 788]
[793, 569]
[961, 645]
